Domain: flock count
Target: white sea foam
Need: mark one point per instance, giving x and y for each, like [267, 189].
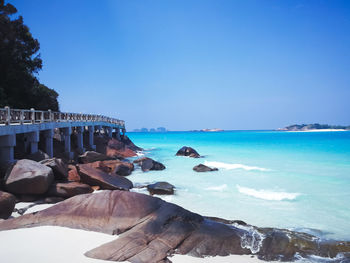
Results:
[140, 153]
[231, 166]
[250, 238]
[267, 195]
[219, 188]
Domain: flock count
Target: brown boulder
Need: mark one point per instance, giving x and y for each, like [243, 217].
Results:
[118, 149]
[58, 166]
[114, 167]
[93, 176]
[28, 177]
[69, 189]
[7, 204]
[148, 164]
[73, 174]
[203, 168]
[91, 156]
[188, 151]
[154, 229]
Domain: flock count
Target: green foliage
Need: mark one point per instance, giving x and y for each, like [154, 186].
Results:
[19, 62]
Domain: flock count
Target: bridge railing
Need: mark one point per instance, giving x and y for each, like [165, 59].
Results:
[10, 116]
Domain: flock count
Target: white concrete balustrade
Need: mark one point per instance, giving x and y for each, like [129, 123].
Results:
[40, 125]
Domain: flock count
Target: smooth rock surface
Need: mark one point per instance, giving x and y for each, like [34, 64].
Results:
[28, 177]
[188, 151]
[92, 176]
[161, 188]
[203, 168]
[148, 164]
[7, 204]
[58, 166]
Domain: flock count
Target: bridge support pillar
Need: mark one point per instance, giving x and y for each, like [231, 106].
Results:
[48, 137]
[117, 133]
[80, 142]
[98, 128]
[7, 144]
[32, 139]
[109, 131]
[123, 133]
[91, 130]
[67, 132]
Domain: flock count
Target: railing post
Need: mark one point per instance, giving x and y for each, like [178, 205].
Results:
[41, 117]
[8, 115]
[50, 115]
[21, 117]
[32, 115]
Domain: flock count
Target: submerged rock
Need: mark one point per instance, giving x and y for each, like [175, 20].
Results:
[148, 164]
[7, 204]
[58, 166]
[153, 229]
[28, 177]
[188, 151]
[204, 168]
[92, 177]
[161, 188]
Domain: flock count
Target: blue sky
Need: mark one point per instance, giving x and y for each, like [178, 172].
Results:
[193, 64]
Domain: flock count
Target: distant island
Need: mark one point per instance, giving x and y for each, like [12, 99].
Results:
[314, 127]
[159, 129]
[208, 130]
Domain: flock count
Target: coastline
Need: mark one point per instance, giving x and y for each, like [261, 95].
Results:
[319, 130]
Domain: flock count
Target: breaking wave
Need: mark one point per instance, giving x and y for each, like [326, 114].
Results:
[219, 188]
[267, 195]
[231, 166]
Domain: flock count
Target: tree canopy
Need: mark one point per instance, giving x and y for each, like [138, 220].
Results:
[19, 64]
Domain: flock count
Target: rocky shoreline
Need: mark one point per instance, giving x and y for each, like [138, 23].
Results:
[150, 229]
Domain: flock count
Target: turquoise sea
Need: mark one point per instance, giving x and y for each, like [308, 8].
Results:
[294, 180]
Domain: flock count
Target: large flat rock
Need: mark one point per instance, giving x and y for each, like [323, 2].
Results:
[150, 229]
[93, 176]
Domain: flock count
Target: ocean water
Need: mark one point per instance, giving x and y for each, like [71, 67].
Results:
[294, 180]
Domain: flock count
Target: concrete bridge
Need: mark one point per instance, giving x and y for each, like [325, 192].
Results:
[37, 126]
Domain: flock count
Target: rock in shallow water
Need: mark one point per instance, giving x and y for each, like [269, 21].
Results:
[148, 164]
[161, 188]
[204, 168]
[188, 151]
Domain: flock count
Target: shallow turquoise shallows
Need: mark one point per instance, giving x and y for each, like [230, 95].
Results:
[295, 180]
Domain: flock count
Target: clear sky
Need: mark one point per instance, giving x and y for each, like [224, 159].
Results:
[193, 64]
